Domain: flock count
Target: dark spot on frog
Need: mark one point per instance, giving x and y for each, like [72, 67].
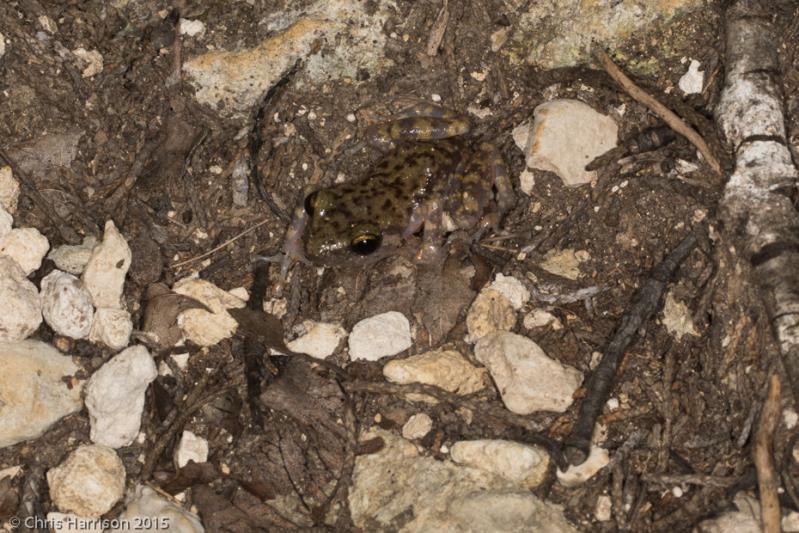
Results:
[120, 263]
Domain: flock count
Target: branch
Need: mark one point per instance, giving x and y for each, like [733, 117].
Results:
[767, 480]
[668, 116]
[757, 210]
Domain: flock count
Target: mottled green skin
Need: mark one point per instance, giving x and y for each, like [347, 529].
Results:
[431, 178]
[449, 171]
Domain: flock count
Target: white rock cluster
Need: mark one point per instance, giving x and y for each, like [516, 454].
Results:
[66, 302]
[441, 495]
[21, 253]
[104, 278]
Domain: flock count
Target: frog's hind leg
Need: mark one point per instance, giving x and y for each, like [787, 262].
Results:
[420, 122]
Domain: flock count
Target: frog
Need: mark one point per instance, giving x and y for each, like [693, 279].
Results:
[431, 180]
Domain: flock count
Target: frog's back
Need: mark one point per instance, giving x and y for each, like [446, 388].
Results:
[404, 178]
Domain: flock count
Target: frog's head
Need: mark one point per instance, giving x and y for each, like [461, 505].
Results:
[335, 231]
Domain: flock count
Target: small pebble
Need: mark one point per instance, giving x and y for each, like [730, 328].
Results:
[380, 336]
[191, 448]
[417, 426]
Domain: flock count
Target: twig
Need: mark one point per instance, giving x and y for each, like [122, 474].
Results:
[532, 430]
[255, 142]
[438, 30]
[601, 381]
[668, 116]
[180, 415]
[217, 248]
[703, 480]
[767, 480]
[67, 232]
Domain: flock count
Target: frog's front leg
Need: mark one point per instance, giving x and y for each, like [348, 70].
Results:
[499, 176]
[421, 122]
[292, 247]
[483, 178]
[428, 215]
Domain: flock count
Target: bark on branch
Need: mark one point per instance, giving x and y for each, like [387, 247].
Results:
[757, 209]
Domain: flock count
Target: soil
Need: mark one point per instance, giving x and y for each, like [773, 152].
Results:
[690, 403]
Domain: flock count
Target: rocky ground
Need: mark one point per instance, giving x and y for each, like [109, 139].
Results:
[150, 150]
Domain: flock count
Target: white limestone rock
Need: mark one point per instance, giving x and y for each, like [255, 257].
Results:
[232, 82]
[604, 508]
[446, 369]
[147, 506]
[9, 186]
[564, 263]
[27, 247]
[423, 494]
[111, 327]
[597, 459]
[528, 380]
[89, 482]
[519, 463]
[73, 258]
[33, 392]
[693, 80]
[66, 305]
[320, 339]
[417, 426]
[190, 448]
[20, 306]
[200, 326]
[512, 289]
[560, 34]
[115, 396]
[192, 28]
[91, 61]
[380, 336]
[677, 318]
[567, 135]
[491, 311]
[539, 318]
[6, 221]
[104, 275]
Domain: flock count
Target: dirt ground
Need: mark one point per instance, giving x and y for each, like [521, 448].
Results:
[159, 164]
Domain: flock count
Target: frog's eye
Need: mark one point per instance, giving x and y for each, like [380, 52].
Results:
[309, 201]
[365, 243]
